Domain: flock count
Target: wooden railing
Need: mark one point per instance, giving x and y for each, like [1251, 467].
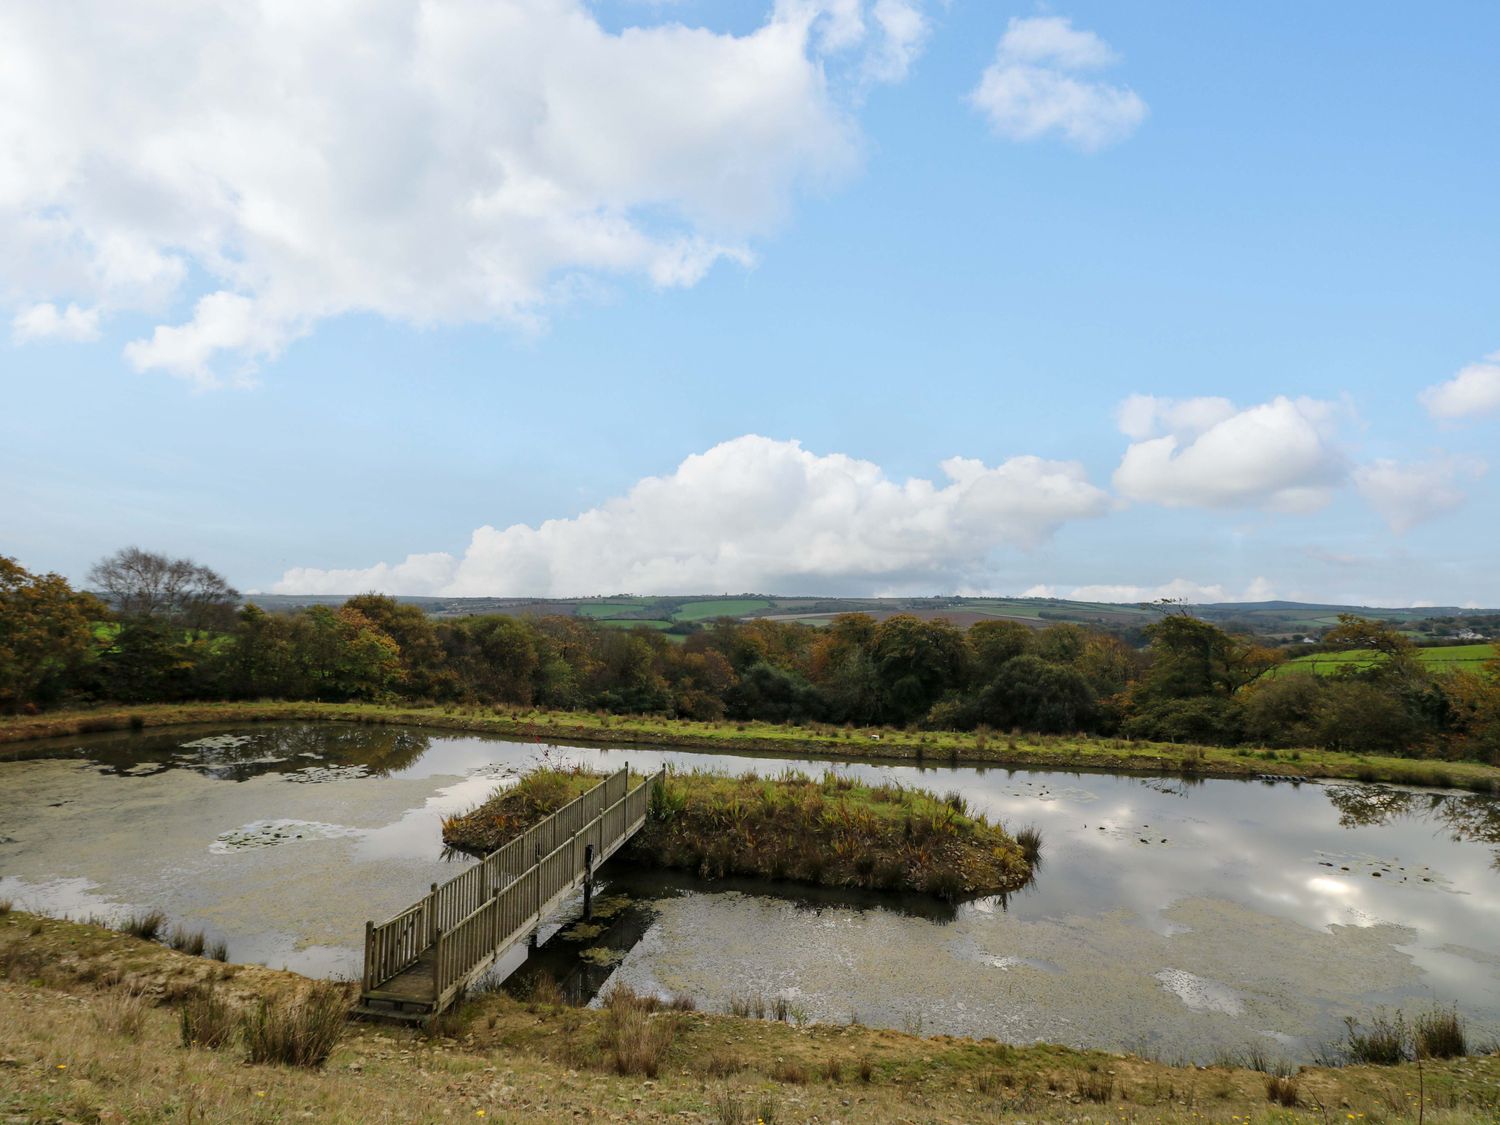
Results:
[481, 911]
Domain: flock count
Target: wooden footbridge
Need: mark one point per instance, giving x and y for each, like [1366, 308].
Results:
[418, 962]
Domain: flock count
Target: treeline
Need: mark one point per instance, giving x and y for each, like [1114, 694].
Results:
[165, 638]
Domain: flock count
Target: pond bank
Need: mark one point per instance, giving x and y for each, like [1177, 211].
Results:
[1024, 751]
[68, 1054]
[833, 831]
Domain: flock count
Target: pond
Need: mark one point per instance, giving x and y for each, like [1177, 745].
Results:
[1179, 919]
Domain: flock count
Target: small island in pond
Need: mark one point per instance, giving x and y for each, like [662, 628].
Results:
[832, 831]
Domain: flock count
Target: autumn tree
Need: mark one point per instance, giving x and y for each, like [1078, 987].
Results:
[46, 634]
[1397, 651]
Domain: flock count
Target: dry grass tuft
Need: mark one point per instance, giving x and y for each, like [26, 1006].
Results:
[1281, 1089]
[123, 1013]
[146, 926]
[636, 1036]
[1095, 1086]
[188, 941]
[1440, 1034]
[206, 1020]
[300, 1032]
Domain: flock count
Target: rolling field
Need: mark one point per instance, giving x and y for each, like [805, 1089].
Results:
[720, 607]
[1470, 658]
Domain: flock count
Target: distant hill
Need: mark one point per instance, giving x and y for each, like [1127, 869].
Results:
[684, 614]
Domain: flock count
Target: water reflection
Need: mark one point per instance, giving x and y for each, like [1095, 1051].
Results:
[1183, 915]
[301, 751]
[1466, 817]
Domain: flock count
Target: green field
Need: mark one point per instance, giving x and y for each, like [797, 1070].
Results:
[601, 610]
[720, 607]
[1470, 658]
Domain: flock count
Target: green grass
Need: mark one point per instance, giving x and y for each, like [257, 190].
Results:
[1024, 751]
[719, 607]
[1470, 658]
[631, 623]
[1003, 611]
[599, 610]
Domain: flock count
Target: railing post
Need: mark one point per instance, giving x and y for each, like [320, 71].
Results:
[432, 919]
[537, 867]
[437, 968]
[369, 953]
[588, 882]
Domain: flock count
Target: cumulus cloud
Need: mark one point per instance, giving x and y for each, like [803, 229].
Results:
[431, 161]
[1408, 494]
[1206, 452]
[1475, 390]
[45, 321]
[1037, 85]
[757, 514]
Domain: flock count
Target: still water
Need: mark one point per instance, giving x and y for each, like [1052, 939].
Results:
[1171, 917]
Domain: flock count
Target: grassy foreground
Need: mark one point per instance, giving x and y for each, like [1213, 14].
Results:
[832, 831]
[1024, 751]
[89, 1032]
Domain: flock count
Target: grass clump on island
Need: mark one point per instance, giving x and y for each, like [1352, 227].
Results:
[832, 831]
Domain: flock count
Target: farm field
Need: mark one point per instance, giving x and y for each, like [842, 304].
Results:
[1467, 657]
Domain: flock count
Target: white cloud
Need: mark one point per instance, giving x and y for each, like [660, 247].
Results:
[45, 321]
[431, 161]
[1178, 589]
[1408, 494]
[903, 33]
[757, 514]
[1204, 452]
[1473, 391]
[1034, 88]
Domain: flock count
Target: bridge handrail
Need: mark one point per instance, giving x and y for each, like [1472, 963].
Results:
[517, 907]
[399, 942]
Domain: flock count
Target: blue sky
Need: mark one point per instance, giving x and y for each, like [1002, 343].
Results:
[1278, 222]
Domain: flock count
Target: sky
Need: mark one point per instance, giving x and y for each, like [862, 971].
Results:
[554, 298]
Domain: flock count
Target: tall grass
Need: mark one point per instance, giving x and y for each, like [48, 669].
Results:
[206, 1020]
[146, 926]
[1281, 1089]
[300, 1032]
[1382, 1044]
[1440, 1034]
[188, 941]
[123, 1013]
[1029, 839]
[1094, 1086]
[636, 1036]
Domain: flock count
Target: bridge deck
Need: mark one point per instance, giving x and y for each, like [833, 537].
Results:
[417, 962]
